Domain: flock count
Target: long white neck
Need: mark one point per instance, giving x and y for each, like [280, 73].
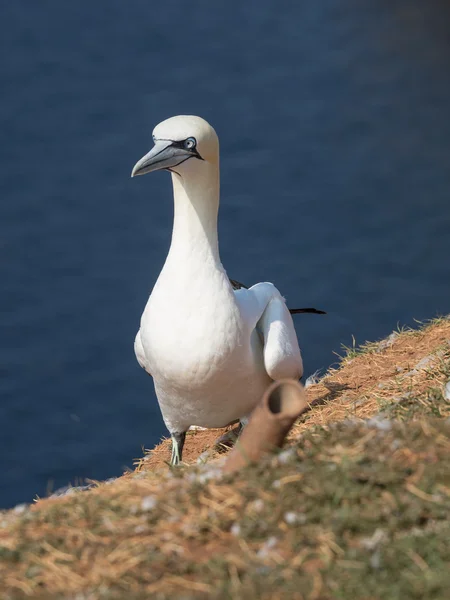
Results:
[196, 199]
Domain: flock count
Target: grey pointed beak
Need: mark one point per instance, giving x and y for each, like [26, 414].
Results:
[163, 155]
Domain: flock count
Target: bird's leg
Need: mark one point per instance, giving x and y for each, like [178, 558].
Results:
[177, 447]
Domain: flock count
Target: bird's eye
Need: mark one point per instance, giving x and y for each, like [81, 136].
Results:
[190, 143]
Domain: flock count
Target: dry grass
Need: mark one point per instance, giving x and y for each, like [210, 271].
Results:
[353, 509]
[407, 363]
[365, 378]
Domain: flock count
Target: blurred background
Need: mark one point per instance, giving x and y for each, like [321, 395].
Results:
[334, 122]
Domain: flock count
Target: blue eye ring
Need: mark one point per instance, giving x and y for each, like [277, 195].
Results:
[190, 143]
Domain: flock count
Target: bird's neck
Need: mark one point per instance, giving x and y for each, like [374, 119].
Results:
[196, 200]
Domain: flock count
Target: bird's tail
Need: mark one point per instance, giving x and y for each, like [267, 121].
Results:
[314, 311]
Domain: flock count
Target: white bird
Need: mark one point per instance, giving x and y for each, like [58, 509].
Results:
[212, 350]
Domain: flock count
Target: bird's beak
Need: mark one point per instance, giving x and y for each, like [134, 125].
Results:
[164, 155]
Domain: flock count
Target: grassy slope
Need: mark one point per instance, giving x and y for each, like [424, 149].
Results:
[351, 509]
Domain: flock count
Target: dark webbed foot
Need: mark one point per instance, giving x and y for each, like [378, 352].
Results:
[177, 447]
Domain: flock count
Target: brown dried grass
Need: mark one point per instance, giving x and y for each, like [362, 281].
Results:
[107, 542]
[354, 389]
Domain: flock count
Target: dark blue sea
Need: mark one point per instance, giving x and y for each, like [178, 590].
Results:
[334, 122]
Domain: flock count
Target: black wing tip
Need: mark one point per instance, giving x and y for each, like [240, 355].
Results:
[237, 285]
[313, 311]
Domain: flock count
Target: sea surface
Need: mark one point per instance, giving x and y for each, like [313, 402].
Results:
[334, 122]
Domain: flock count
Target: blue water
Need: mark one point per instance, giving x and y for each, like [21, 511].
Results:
[334, 121]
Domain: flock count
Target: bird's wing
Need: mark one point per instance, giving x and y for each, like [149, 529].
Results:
[139, 351]
[266, 311]
[237, 285]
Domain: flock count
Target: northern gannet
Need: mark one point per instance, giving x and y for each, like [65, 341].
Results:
[212, 350]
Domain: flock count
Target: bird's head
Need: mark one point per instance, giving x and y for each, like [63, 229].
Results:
[178, 142]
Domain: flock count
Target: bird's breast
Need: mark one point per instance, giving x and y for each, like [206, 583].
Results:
[189, 340]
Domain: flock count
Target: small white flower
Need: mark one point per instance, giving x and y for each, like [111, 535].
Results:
[20, 509]
[257, 505]
[270, 543]
[235, 529]
[375, 540]
[375, 560]
[447, 391]
[292, 518]
[286, 456]
[148, 503]
[379, 423]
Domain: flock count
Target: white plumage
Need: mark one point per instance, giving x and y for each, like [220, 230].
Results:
[211, 350]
